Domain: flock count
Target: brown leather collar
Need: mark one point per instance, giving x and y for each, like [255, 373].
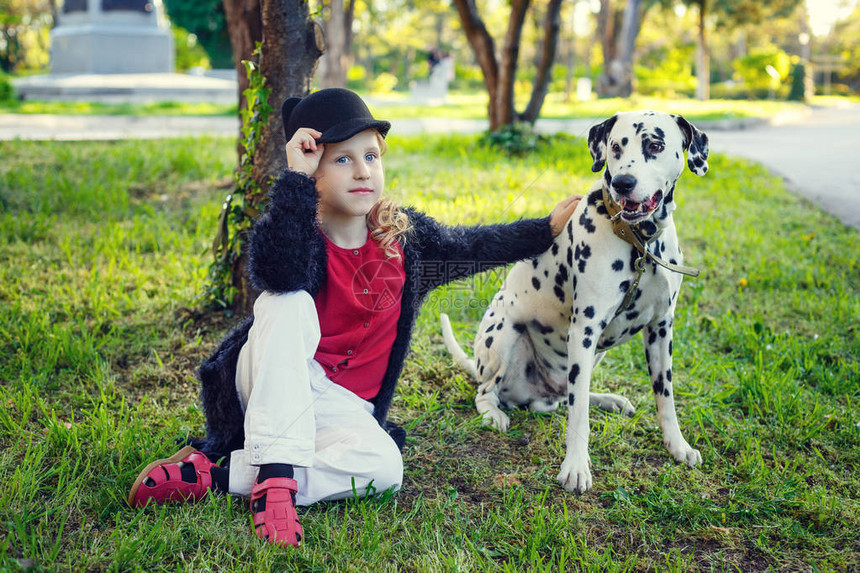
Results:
[631, 234]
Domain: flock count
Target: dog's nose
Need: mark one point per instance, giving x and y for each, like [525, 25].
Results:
[624, 184]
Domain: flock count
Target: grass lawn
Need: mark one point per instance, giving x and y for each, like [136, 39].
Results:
[103, 248]
[457, 105]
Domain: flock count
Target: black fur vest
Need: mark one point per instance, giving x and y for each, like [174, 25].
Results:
[287, 253]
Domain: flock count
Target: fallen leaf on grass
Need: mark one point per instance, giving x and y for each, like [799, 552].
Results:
[506, 480]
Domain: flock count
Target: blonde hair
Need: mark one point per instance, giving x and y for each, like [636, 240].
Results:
[387, 222]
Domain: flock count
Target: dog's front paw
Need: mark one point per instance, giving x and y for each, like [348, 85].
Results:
[685, 453]
[575, 475]
[497, 419]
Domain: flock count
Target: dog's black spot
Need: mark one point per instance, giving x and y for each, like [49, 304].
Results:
[636, 329]
[669, 374]
[547, 342]
[586, 251]
[601, 209]
[677, 155]
[554, 249]
[570, 229]
[541, 327]
[560, 352]
[499, 327]
[498, 379]
[570, 399]
[589, 312]
[618, 265]
[648, 228]
[604, 344]
[588, 331]
[647, 355]
[662, 333]
[530, 369]
[586, 343]
[658, 384]
[481, 370]
[561, 276]
[594, 197]
[624, 141]
[607, 176]
[570, 256]
[666, 392]
[535, 283]
[673, 261]
[632, 315]
[660, 133]
[519, 327]
[670, 196]
[652, 336]
[489, 341]
[670, 348]
[492, 327]
[574, 372]
[581, 265]
[559, 292]
[546, 273]
[587, 222]
[535, 262]
[638, 127]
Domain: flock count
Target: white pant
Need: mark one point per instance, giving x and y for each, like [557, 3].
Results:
[295, 415]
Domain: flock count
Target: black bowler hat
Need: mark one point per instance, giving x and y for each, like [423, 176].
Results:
[335, 112]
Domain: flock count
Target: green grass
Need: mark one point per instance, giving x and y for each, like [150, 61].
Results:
[103, 247]
[457, 105]
[138, 110]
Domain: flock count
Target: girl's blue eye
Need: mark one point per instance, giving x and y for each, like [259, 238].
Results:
[370, 157]
[343, 159]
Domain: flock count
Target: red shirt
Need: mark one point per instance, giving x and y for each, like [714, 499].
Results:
[358, 308]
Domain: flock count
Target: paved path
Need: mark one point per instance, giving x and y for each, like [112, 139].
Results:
[817, 155]
[815, 152]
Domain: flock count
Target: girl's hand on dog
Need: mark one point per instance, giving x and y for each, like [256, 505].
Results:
[303, 151]
[562, 213]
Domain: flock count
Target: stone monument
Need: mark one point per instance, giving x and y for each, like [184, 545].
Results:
[111, 37]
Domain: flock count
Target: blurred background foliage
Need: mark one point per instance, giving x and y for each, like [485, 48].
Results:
[394, 38]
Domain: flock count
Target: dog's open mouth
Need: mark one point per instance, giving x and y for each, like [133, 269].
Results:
[631, 210]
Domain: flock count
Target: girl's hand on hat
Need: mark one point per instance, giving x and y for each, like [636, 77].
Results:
[303, 151]
[562, 213]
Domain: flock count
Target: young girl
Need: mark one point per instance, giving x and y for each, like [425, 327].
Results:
[296, 398]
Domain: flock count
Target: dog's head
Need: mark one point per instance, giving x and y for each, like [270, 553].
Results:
[644, 155]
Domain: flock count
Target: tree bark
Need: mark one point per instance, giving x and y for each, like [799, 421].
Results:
[292, 44]
[484, 50]
[508, 66]
[245, 27]
[619, 44]
[703, 60]
[551, 30]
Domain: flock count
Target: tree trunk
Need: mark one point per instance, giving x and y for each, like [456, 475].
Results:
[332, 73]
[245, 27]
[508, 65]
[292, 44]
[551, 28]
[703, 61]
[620, 44]
[484, 49]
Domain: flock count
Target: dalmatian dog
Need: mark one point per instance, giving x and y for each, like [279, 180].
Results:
[557, 314]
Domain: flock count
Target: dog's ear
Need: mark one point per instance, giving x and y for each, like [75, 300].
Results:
[597, 136]
[696, 144]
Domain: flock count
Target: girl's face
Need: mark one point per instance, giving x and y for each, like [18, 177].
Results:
[350, 177]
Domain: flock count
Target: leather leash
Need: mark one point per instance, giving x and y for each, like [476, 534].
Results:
[624, 231]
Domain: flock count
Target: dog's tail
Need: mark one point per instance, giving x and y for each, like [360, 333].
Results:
[454, 348]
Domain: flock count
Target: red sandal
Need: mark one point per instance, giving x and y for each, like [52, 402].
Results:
[166, 479]
[278, 523]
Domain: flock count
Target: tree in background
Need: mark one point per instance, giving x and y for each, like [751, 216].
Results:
[24, 29]
[337, 59]
[728, 14]
[844, 41]
[206, 20]
[500, 72]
